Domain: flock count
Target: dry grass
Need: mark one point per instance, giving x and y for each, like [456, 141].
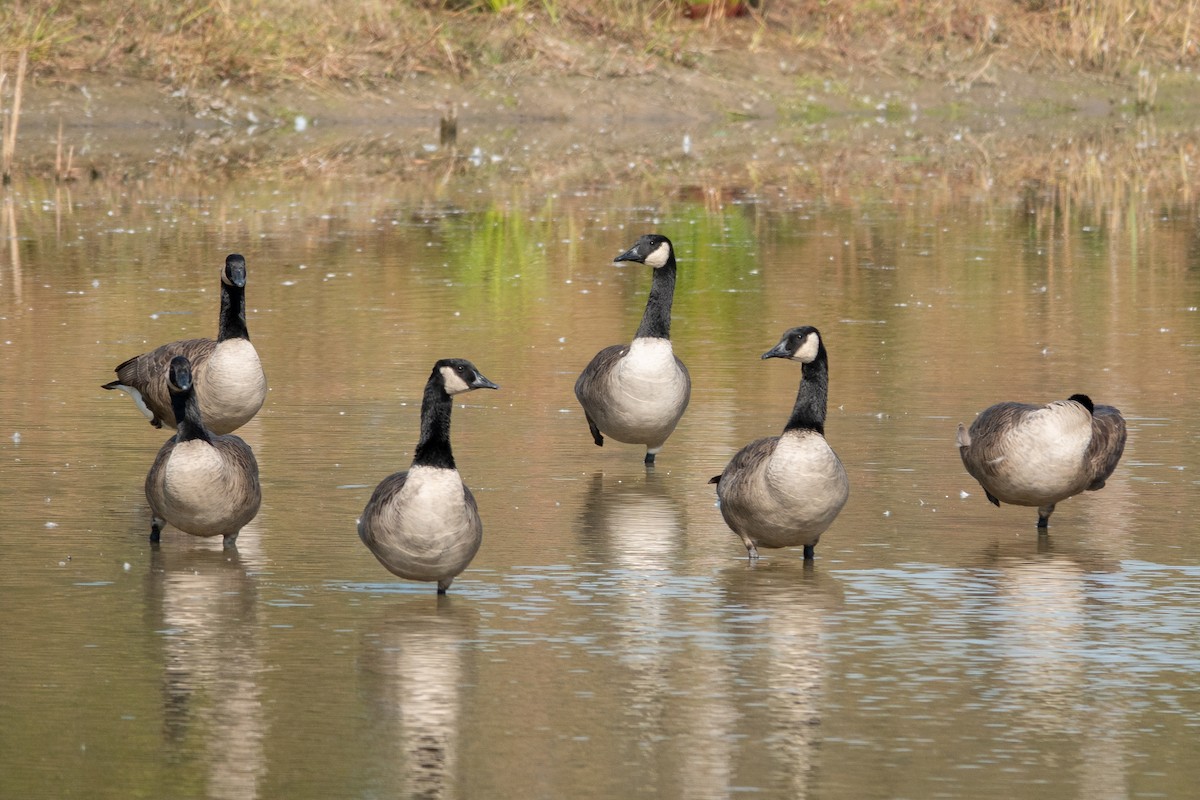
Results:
[267, 43]
[8, 141]
[260, 45]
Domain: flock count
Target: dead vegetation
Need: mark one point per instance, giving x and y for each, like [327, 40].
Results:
[270, 43]
[818, 136]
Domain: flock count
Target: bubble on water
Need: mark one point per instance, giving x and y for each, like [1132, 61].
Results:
[300, 123]
[16, 437]
[51, 524]
[964, 494]
[127, 566]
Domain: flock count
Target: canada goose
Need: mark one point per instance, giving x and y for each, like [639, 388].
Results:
[786, 490]
[423, 524]
[203, 484]
[637, 392]
[1028, 455]
[229, 377]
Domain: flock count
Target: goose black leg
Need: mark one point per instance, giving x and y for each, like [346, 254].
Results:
[1044, 516]
[596, 435]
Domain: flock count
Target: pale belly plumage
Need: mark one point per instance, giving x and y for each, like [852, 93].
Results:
[427, 532]
[794, 498]
[231, 386]
[649, 393]
[195, 496]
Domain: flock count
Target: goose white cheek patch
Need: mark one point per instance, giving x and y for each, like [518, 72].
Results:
[808, 349]
[453, 382]
[659, 256]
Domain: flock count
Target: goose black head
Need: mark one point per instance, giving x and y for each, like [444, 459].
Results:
[652, 249]
[179, 375]
[458, 375]
[234, 273]
[801, 344]
[1084, 401]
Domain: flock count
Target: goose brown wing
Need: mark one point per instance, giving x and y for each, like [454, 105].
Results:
[589, 387]
[242, 469]
[1107, 445]
[156, 477]
[147, 373]
[745, 463]
[985, 453]
[687, 378]
[472, 507]
[381, 498]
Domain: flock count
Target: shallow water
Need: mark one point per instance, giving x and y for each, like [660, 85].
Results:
[610, 639]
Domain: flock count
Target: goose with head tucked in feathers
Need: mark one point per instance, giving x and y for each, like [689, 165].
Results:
[229, 376]
[203, 484]
[786, 490]
[423, 524]
[1030, 455]
[636, 393]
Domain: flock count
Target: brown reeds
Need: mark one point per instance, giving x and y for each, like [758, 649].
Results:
[9, 146]
[63, 171]
[270, 43]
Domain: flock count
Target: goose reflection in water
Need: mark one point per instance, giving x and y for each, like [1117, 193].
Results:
[634, 526]
[1044, 635]
[414, 660]
[212, 659]
[776, 612]
[672, 688]
[633, 522]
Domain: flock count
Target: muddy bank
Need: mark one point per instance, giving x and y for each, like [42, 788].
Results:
[760, 122]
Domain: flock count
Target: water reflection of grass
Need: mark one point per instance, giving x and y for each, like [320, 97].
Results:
[507, 254]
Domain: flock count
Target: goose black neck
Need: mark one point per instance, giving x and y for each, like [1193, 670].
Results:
[189, 425]
[809, 411]
[656, 321]
[232, 324]
[433, 450]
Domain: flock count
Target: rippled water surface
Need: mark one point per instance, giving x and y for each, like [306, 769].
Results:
[610, 639]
